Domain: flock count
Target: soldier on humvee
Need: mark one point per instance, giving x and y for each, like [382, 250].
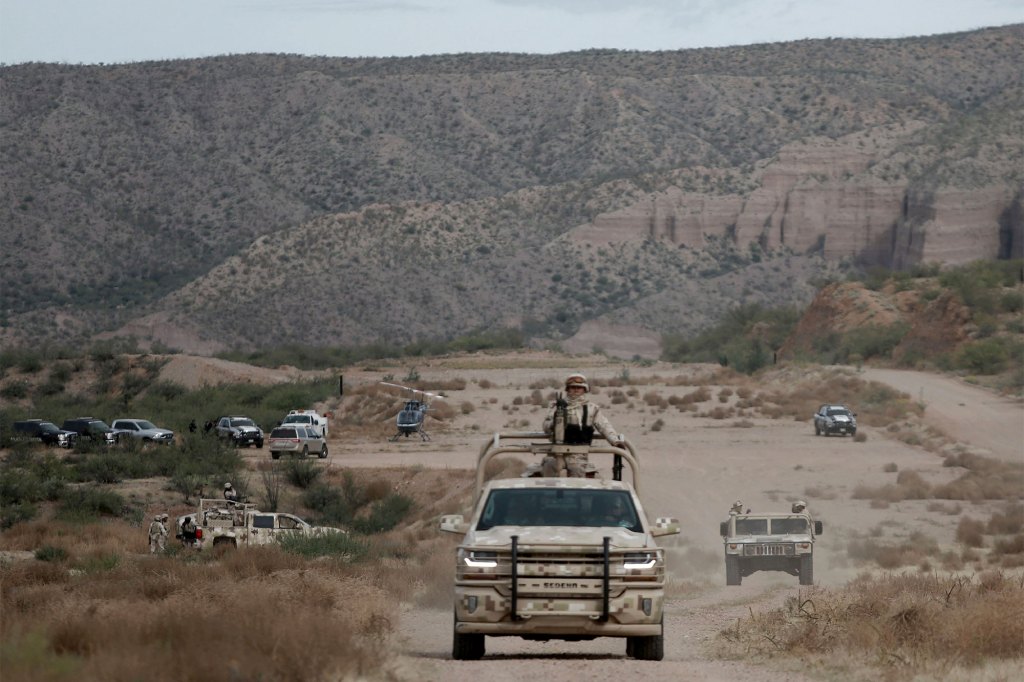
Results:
[581, 419]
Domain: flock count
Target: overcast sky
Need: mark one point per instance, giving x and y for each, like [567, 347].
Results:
[93, 31]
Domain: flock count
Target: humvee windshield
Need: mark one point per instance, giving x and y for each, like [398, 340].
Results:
[560, 507]
[778, 526]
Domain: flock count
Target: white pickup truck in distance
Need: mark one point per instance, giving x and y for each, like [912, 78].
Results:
[310, 418]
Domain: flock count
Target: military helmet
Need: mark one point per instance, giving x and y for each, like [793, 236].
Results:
[164, 517]
[576, 380]
[227, 486]
[157, 517]
[799, 506]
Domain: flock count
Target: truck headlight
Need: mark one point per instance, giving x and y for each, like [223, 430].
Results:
[481, 559]
[641, 561]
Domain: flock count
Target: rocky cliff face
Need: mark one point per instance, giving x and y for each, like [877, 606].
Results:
[827, 197]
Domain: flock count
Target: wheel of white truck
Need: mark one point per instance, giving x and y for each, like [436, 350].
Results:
[807, 569]
[466, 647]
[323, 453]
[817, 429]
[305, 452]
[732, 570]
[649, 648]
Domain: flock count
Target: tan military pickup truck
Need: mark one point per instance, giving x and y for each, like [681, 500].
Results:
[235, 524]
[558, 558]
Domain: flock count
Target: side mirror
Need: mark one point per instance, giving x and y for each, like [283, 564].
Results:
[818, 528]
[454, 523]
[664, 525]
[723, 529]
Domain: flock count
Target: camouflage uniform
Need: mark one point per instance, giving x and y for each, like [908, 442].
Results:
[157, 535]
[583, 418]
[230, 493]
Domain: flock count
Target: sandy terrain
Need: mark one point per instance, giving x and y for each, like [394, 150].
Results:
[693, 468]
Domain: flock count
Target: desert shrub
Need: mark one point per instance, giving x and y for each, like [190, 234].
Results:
[19, 512]
[912, 551]
[909, 486]
[1007, 522]
[658, 425]
[384, 515]
[329, 504]
[15, 390]
[302, 472]
[987, 356]
[871, 341]
[1014, 545]
[88, 504]
[926, 621]
[19, 486]
[970, 532]
[890, 468]
[328, 544]
[51, 553]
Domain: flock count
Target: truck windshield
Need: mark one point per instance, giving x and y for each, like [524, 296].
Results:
[560, 507]
[787, 526]
[242, 422]
[751, 526]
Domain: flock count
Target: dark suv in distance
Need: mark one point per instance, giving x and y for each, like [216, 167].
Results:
[90, 428]
[45, 432]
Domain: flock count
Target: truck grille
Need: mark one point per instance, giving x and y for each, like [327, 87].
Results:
[769, 550]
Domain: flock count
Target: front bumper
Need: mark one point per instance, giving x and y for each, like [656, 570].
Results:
[487, 610]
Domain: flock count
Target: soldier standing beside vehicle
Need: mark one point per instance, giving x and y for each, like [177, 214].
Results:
[158, 534]
[230, 493]
[188, 532]
[581, 419]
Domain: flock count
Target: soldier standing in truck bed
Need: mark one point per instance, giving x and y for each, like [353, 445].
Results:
[582, 419]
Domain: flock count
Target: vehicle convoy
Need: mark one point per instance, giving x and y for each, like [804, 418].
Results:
[558, 558]
[224, 523]
[241, 431]
[769, 542]
[830, 419]
[45, 432]
[144, 430]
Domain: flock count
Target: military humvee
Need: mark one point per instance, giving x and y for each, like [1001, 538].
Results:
[235, 524]
[558, 558]
[769, 542]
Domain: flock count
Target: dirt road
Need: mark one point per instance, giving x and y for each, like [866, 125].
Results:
[969, 414]
[693, 468]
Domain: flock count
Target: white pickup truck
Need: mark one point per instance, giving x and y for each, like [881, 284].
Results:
[235, 524]
[310, 418]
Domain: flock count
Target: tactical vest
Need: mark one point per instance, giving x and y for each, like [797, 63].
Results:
[579, 434]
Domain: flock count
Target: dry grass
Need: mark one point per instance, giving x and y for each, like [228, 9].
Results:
[899, 626]
[259, 614]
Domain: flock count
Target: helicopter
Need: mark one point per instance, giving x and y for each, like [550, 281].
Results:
[410, 418]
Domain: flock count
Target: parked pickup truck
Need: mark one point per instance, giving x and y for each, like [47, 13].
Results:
[236, 524]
